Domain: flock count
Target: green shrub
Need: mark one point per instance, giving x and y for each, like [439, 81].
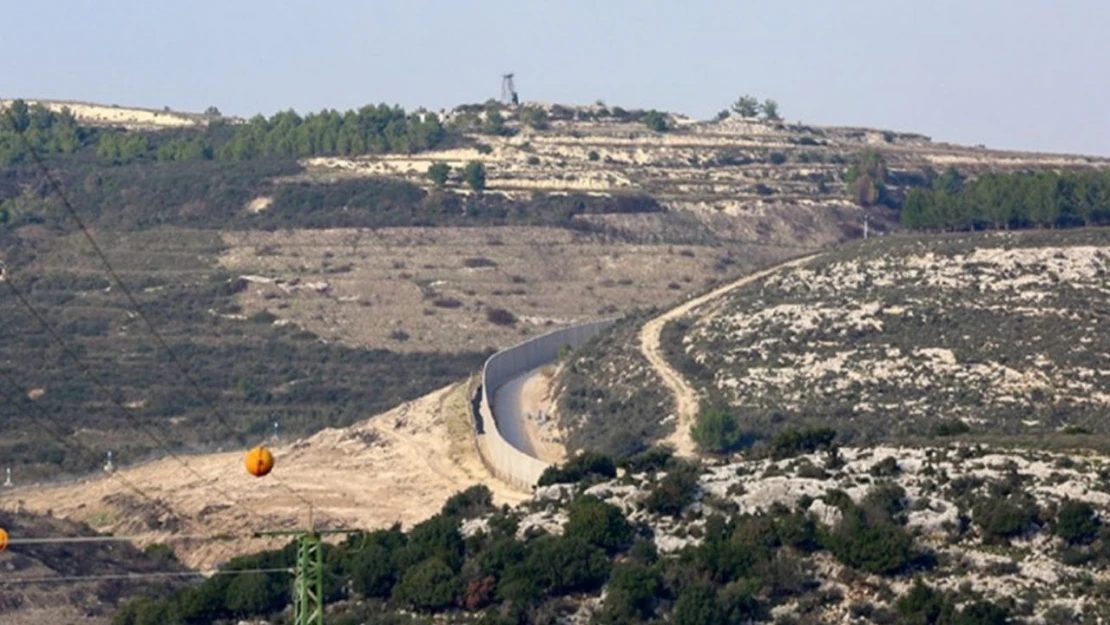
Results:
[632, 594]
[438, 173]
[717, 431]
[952, 427]
[675, 491]
[1076, 522]
[429, 586]
[925, 605]
[793, 442]
[470, 503]
[585, 464]
[656, 121]
[874, 547]
[475, 176]
[1001, 518]
[982, 613]
[698, 605]
[599, 523]
[653, 459]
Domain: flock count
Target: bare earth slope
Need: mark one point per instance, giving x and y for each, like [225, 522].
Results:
[397, 467]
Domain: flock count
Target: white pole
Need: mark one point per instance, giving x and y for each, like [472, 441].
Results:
[8, 479]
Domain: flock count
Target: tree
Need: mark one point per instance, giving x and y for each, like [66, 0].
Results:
[770, 110]
[698, 605]
[429, 586]
[599, 523]
[438, 173]
[535, 118]
[746, 106]
[631, 595]
[475, 176]
[656, 121]
[212, 111]
[716, 431]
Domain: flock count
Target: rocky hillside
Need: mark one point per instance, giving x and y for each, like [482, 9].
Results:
[982, 334]
[809, 534]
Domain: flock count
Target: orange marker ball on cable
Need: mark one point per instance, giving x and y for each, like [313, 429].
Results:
[3, 540]
[259, 461]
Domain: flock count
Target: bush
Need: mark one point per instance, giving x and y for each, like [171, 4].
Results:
[776, 158]
[429, 586]
[652, 459]
[953, 427]
[576, 469]
[656, 121]
[632, 594]
[475, 176]
[1001, 518]
[674, 492]
[470, 503]
[438, 173]
[982, 613]
[717, 431]
[500, 317]
[698, 605]
[593, 155]
[1076, 522]
[792, 442]
[922, 604]
[599, 523]
[475, 262]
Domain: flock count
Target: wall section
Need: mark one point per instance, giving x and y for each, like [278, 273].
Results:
[503, 459]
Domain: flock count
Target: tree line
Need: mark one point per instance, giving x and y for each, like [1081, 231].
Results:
[372, 129]
[1007, 201]
[46, 131]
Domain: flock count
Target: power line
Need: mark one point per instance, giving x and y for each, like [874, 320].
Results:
[46, 579]
[11, 400]
[107, 392]
[56, 186]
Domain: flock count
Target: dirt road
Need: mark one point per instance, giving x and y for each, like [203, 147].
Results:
[686, 399]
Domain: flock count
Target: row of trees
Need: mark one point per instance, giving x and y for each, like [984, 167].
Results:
[1004, 201]
[748, 106]
[47, 132]
[369, 130]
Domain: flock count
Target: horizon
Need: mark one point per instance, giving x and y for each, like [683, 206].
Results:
[1007, 75]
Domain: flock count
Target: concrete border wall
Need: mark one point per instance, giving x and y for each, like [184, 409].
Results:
[503, 459]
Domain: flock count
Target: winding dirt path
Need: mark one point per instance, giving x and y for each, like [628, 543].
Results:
[686, 398]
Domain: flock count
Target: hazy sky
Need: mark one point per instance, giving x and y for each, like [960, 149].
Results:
[1031, 74]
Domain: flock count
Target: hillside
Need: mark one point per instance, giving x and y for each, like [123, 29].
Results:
[961, 534]
[992, 335]
[85, 602]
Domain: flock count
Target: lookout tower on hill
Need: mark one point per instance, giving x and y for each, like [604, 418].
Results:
[508, 90]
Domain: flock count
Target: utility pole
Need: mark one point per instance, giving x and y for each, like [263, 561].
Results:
[8, 479]
[108, 466]
[276, 437]
[866, 223]
[308, 579]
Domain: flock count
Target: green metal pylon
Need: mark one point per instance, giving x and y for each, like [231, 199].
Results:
[308, 580]
[308, 586]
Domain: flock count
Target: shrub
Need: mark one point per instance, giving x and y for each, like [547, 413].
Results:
[593, 155]
[792, 442]
[535, 118]
[533, 160]
[698, 605]
[887, 467]
[674, 492]
[500, 317]
[446, 302]
[429, 586]
[1076, 522]
[599, 523]
[951, 427]
[922, 604]
[631, 595]
[652, 459]
[475, 176]
[656, 121]
[776, 158]
[438, 173]
[1001, 518]
[717, 431]
[475, 262]
[982, 613]
[470, 503]
[576, 469]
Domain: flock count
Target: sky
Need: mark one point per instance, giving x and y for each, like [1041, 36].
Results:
[1018, 74]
